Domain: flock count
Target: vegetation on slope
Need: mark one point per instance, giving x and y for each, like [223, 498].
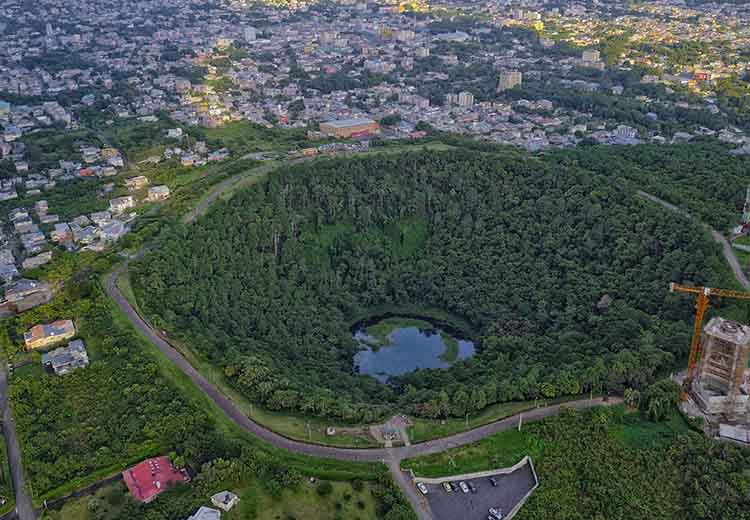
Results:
[267, 284]
[613, 464]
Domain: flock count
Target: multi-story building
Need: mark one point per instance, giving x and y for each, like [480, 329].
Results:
[465, 99]
[509, 79]
[44, 335]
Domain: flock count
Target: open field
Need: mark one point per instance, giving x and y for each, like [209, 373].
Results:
[343, 501]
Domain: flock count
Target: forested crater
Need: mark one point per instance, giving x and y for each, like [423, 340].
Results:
[560, 273]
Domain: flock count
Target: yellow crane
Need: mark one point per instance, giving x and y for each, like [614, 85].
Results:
[701, 304]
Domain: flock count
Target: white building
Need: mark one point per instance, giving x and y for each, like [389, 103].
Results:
[465, 99]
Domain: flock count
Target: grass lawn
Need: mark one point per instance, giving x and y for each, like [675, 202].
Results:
[305, 503]
[499, 451]
[110, 499]
[637, 432]
[255, 503]
[426, 429]
[629, 428]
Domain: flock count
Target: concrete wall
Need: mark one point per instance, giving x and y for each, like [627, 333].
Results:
[479, 474]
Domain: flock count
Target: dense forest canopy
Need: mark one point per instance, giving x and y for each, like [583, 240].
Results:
[562, 274]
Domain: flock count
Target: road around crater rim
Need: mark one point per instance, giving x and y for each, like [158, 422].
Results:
[392, 457]
[319, 450]
[388, 456]
[726, 247]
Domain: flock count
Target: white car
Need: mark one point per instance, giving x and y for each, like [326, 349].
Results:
[422, 488]
[463, 486]
[496, 513]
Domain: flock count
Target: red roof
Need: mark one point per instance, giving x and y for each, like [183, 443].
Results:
[152, 476]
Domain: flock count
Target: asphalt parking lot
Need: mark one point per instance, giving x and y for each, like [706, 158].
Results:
[510, 490]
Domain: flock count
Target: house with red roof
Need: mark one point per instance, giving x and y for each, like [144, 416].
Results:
[152, 476]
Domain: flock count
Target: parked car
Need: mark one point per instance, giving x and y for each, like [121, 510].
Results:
[463, 486]
[455, 487]
[493, 481]
[496, 513]
[472, 487]
[422, 488]
[447, 487]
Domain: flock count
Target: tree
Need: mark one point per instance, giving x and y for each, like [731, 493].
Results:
[460, 404]
[632, 398]
[660, 399]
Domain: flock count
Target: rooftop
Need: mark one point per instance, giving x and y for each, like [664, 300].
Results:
[152, 476]
[343, 123]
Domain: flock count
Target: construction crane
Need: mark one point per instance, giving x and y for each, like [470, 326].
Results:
[701, 304]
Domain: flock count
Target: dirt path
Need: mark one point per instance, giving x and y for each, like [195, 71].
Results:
[726, 247]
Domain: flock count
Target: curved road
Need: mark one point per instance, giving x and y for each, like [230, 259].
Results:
[317, 450]
[726, 247]
[389, 456]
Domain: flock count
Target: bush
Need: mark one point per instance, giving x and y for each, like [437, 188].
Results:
[325, 488]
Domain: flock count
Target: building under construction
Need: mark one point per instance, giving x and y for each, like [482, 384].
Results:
[720, 387]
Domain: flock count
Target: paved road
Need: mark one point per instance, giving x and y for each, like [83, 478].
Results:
[352, 454]
[23, 502]
[726, 247]
[390, 456]
[221, 188]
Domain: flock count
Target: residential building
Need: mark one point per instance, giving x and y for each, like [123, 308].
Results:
[112, 231]
[225, 500]
[65, 359]
[61, 233]
[157, 193]
[25, 294]
[148, 479]
[590, 56]
[121, 204]
[8, 272]
[206, 513]
[465, 99]
[44, 335]
[250, 34]
[136, 183]
[509, 79]
[33, 262]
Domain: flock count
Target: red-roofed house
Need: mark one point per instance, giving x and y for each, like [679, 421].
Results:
[152, 476]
